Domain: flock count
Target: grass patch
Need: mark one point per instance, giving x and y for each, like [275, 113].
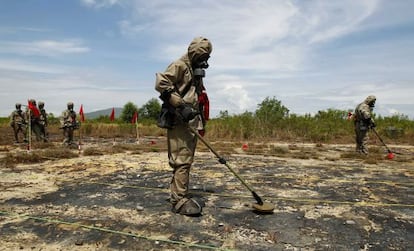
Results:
[4, 149]
[37, 156]
[351, 155]
[278, 150]
[92, 151]
[371, 160]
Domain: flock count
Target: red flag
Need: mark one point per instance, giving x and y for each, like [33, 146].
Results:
[205, 103]
[112, 117]
[134, 118]
[33, 109]
[81, 114]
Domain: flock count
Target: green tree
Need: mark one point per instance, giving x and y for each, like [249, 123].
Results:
[271, 110]
[150, 110]
[128, 112]
[269, 116]
[223, 114]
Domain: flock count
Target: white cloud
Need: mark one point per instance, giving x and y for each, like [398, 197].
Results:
[232, 93]
[23, 66]
[326, 20]
[44, 47]
[127, 29]
[260, 36]
[99, 3]
[12, 30]
[310, 54]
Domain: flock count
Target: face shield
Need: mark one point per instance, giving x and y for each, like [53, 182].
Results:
[201, 62]
[70, 106]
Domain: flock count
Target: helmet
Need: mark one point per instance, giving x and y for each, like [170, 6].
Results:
[370, 100]
[70, 105]
[32, 101]
[199, 52]
[41, 104]
[18, 106]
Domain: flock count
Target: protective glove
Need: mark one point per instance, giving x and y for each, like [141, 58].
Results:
[176, 100]
[187, 112]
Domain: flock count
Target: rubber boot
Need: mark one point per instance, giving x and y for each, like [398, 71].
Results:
[187, 207]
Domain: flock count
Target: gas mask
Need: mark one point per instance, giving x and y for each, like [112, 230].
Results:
[200, 65]
[70, 106]
[201, 62]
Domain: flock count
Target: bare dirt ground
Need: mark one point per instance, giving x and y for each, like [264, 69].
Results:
[325, 197]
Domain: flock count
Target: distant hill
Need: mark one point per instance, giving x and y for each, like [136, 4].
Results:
[104, 112]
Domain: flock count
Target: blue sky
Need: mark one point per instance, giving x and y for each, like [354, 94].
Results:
[310, 55]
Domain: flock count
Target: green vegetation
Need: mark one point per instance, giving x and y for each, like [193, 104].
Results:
[128, 112]
[150, 110]
[270, 122]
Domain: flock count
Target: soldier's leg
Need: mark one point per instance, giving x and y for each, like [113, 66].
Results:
[179, 183]
[37, 131]
[24, 131]
[364, 141]
[70, 135]
[358, 140]
[43, 132]
[66, 135]
[181, 149]
[16, 133]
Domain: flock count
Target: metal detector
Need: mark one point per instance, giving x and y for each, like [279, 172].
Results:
[260, 206]
[390, 154]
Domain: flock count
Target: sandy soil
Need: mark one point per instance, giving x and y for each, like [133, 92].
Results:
[325, 198]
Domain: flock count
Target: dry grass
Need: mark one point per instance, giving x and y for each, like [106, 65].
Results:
[93, 151]
[278, 150]
[36, 156]
[4, 149]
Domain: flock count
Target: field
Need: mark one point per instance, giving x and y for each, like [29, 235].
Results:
[111, 194]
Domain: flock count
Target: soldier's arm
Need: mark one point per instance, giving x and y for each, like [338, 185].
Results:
[166, 84]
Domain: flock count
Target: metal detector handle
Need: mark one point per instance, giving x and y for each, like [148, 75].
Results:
[223, 161]
[375, 131]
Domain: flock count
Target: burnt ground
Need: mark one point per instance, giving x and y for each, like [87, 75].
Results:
[325, 198]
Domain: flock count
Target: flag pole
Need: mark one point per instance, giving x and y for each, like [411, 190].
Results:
[80, 128]
[29, 139]
[112, 118]
[136, 128]
[80, 140]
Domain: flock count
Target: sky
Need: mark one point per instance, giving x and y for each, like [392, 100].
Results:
[309, 54]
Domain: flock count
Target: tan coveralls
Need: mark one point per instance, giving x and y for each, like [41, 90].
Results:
[18, 123]
[34, 121]
[43, 122]
[68, 124]
[362, 121]
[178, 79]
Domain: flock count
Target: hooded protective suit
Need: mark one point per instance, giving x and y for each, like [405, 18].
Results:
[18, 122]
[179, 86]
[363, 122]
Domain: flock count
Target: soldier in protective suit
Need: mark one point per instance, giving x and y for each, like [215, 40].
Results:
[180, 87]
[363, 121]
[69, 124]
[18, 122]
[43, 121]
[34, 114]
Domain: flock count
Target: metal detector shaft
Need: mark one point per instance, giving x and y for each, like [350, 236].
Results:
[223, 161]
[389, 151]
